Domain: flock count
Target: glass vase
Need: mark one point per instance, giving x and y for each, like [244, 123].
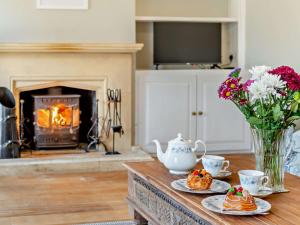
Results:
[269, 147]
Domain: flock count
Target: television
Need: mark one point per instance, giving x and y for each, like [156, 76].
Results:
[183, 43]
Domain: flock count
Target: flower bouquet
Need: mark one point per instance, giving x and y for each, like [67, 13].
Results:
[270, 102]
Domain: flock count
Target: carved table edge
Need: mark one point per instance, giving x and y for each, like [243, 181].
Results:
[165, 197]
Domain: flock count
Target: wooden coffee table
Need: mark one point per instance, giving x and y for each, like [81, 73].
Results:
[152, 199]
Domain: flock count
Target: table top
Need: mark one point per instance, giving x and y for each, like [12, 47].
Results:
[285, 206]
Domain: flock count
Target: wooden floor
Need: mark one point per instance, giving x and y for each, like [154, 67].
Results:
[63, 198]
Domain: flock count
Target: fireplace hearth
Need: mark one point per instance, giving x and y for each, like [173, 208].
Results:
[56, 121]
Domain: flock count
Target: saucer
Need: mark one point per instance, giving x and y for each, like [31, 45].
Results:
[263, 193]
[215, 204]
[223, 174]
[217, 186]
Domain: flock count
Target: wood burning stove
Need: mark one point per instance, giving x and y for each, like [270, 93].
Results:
[56, 121]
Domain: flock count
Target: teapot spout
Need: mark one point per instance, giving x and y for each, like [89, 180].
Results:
[160, 154]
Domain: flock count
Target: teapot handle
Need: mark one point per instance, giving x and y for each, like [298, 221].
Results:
[197, 143]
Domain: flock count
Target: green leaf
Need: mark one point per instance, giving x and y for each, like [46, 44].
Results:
[297, 96]
[277, 113]
[254, 121]
[235, 73]
[260, 110]
[246, 111]
[295, 107]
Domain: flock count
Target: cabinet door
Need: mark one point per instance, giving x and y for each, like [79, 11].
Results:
[222, 126]
[165, 101]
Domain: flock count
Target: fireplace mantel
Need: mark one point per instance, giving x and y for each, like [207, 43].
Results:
[70, 47]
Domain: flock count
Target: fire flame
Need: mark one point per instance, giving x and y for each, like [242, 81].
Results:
[58, 116]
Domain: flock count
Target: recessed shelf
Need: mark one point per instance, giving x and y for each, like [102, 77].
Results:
[186, 19]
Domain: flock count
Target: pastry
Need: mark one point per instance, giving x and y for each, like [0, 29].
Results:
[199, 180]
[239, 199]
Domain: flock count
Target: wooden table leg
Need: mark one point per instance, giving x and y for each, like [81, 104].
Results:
[139, 219]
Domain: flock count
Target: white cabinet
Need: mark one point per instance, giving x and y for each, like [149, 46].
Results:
[164, 106]
[186, 101]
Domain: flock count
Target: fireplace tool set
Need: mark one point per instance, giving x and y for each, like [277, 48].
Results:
[112, 121]
[94, 139]
[24, 144]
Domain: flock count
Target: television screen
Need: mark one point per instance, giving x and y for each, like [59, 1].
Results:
[181, 43]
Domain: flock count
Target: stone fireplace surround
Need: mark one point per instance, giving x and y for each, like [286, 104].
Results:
[94, 67]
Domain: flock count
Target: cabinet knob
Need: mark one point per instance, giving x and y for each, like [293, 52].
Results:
[200, 113]
[194, 113]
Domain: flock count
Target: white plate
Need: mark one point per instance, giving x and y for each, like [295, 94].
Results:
[263, 193]
[215, 204]
[217, 186]
[223, 174]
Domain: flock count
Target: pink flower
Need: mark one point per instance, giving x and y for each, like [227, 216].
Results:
[221, 89]
[246, 85]
[226, 93]
[229, 87]
[289, 75]
[232, 83]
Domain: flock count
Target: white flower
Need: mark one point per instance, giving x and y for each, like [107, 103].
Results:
[258, 71]
[258, 90]
[267, 85]
[273, 83]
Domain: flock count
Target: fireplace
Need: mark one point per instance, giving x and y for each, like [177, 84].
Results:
[57, 117]
[56, 121]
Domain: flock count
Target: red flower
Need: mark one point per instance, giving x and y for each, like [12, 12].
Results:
[229, 87]
[226, 93]
[289, 75]
[232, 83]
[221, 89]
[243, 101]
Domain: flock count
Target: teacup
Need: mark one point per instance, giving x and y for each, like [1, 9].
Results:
[253, 180]
[214, 164]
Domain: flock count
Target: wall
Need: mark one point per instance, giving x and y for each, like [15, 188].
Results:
[105, 21]
[209, 8]
[273, 33]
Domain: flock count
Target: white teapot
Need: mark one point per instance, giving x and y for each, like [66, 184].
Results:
[180, 157]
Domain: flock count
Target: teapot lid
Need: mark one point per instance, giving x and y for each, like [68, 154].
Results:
[180, 140]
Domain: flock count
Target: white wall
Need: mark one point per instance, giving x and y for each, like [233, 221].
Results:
[273, 33]
[194, 8]
[105, 21]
